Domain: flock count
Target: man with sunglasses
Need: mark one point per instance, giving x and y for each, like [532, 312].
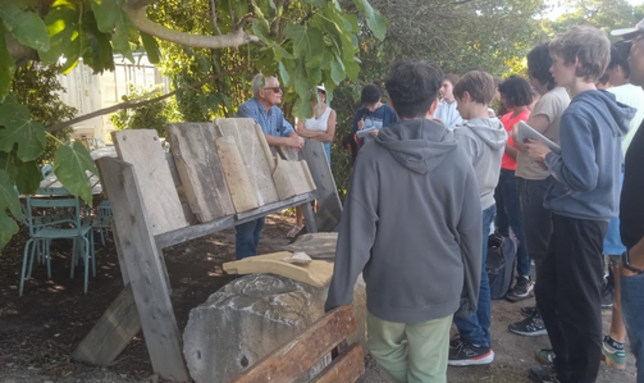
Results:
[267, 94]
[632, 213]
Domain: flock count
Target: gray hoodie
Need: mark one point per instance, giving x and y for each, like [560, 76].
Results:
[483, 140]
[412, 224]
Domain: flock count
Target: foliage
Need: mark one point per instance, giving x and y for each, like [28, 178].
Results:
[150, 116]
[38, 86]
[307, 42]
[604, 14]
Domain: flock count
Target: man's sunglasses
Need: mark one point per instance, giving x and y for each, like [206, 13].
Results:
[276, 89]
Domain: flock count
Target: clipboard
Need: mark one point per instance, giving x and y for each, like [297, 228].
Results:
[526, 132]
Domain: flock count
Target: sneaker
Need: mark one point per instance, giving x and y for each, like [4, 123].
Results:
[613, 353]
[455, 342]
[521, 290]
[467, 354]
[545, 356]
[607, 296]
[532, 326]
[543, 374]
[528, 311]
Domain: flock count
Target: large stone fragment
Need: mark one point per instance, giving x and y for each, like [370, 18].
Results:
[251, 317]
[316, 245]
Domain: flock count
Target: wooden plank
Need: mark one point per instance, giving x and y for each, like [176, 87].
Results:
[190, 216]
[346, 367]
[292, 178]
[202, 178]
[292, 360]
[145, 269]
[329, 204]
[109, 336]
[256, 154]
[191, 232]
[316, 273]
[242, 191]
[141, 148]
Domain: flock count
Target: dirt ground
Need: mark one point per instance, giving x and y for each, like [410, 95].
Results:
[39, 331]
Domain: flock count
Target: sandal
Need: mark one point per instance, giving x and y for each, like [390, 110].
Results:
[294, 231]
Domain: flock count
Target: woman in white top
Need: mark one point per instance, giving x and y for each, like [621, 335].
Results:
[321, 127]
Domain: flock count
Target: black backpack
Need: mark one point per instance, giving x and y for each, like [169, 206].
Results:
[501, 253]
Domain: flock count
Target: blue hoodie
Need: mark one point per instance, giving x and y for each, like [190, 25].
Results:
[588, 171]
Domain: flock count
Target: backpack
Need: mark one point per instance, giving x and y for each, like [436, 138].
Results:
[501, 253]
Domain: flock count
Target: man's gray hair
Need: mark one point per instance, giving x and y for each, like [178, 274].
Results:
[258, 83]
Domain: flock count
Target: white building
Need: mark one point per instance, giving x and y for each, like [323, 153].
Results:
[89, 92]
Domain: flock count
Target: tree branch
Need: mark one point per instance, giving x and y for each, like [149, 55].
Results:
[135, 103]
[234, 39]
[213, 9]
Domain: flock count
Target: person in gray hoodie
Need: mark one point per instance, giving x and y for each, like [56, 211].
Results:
[412, 225]
[583, 198]
[483, 141]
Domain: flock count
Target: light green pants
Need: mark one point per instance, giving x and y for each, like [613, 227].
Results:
[411, 353]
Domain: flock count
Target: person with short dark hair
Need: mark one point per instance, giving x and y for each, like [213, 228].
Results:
[446, 111]
[516, 96]
[583, 197]
[483, 140]
[533, 180]
[373, 114]
[414, 173]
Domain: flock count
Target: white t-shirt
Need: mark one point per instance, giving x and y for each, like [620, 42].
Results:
[632, 96]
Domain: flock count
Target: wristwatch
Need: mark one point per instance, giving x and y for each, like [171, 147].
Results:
[626, 262]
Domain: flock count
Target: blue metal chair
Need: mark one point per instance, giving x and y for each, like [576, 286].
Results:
[103, 219]
[46, 171]
[43, 231]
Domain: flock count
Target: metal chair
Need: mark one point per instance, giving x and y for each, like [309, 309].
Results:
[46, 171]
[43, 231]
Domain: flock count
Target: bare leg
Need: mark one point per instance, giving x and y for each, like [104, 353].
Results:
[617, 327]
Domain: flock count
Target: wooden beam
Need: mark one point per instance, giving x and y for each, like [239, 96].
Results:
[346, 367]
[329, 204]
[145, 269]
[292, 360]
[191, 232]
[109, 336]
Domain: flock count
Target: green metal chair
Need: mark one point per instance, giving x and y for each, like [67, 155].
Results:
[64, 225]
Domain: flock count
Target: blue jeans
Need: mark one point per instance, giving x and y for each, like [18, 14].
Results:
[509, 216]
[633, 312]
[476, 329]
[247, 238]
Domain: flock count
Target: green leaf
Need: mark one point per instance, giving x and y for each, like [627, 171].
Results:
[70, 164]
[106, 13]
[7, 66]
[66, 37]
[9, 163]
[308, 43]
[26, 174]
[27, 27]
[121, 36]
[283, 73]
[302, 108]
[8, 228]
[152, 47]
[20, 129]
[375, 21]
[8, 195]
[337, 70]
[28, 178]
